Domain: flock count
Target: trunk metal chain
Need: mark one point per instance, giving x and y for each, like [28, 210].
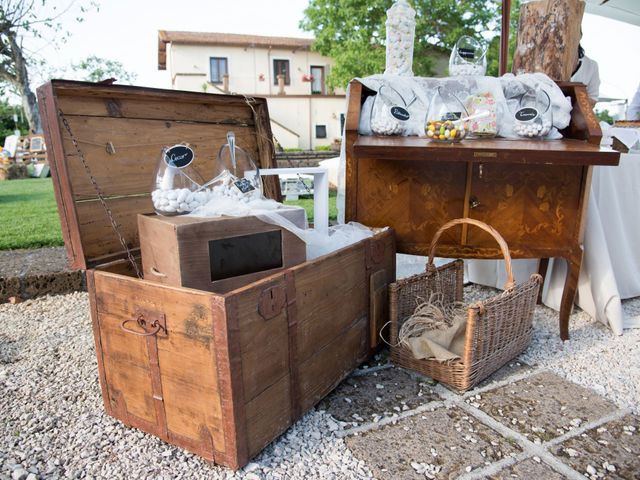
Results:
[101, 196]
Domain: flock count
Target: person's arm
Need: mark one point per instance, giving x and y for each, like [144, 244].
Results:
[633, 112]
[593, 88]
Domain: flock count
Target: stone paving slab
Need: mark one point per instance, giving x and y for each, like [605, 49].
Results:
[529, 469]
[543, 406]
[617, 443]
[509, 370]
[382, 393]
[446, 438]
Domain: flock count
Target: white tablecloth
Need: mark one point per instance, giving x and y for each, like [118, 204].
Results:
[611, 266]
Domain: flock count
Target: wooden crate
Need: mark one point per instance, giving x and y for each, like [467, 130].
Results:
[221, 375]
[215, 254]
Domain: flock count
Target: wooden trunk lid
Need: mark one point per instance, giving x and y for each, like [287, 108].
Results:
[120, 131]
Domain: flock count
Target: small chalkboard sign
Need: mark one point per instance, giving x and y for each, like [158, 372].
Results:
[400, 113]
[526, 114]
[466, 53]
[244, 185]
[178, 156]
[452, 116]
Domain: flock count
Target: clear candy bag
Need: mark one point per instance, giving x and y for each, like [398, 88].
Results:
[486, 126]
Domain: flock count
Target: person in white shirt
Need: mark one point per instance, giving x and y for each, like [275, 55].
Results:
[587, 72]
[633, 112]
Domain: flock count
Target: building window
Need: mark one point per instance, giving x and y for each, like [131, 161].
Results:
[218, 69]
[321, 131]
[281, 67]
[317, 80]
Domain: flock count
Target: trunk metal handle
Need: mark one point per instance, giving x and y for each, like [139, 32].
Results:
[155, 327]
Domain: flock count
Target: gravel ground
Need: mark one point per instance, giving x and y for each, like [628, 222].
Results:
[52, 423]
[594, 357]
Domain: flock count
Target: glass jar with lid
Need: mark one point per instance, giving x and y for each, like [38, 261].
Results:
[401, 28]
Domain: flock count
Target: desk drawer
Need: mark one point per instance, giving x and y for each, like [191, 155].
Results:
[530, 205]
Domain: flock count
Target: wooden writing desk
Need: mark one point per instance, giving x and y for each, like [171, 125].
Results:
[533, 192]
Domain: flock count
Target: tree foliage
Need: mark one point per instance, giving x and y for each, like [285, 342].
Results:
[493, 53]
[605, 116]
[7, 123]
[353, 32]
[39, 21]
[96, 69]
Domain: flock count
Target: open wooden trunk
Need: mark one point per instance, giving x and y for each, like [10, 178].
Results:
[221, 375]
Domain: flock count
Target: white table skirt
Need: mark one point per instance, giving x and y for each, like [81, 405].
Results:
[611, 265]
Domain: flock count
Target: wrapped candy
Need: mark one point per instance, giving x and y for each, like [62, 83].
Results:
[487, 125]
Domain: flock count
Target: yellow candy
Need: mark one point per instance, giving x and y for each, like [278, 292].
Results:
[442, 137]
[432, 128]
[453, 133]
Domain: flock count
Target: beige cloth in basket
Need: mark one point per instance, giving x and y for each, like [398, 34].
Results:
[441, 345]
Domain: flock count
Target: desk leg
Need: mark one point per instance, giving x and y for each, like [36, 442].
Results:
[569, 293]
[542, 271]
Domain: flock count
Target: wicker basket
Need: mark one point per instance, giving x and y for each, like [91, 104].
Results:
[497, 329]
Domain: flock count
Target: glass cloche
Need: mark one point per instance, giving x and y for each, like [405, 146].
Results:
[236, 173]
[176, 184]
[468, 57]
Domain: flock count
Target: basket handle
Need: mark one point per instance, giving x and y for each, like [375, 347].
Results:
[487, 228]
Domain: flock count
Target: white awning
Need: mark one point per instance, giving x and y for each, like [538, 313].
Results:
[627, 11]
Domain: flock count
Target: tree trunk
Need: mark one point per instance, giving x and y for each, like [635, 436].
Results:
[548, 37]
[21, 82]
[30, 108]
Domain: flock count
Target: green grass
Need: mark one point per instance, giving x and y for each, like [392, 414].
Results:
[307, 204]
[28, 214]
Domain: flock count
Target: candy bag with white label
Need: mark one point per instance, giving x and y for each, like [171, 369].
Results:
[176, 187]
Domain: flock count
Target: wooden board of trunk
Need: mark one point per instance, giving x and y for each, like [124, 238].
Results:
[220, 379]
[549, 33]
[121, 131]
